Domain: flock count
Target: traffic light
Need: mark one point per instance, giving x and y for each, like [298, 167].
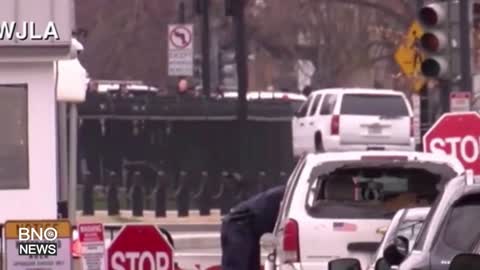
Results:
[228, 70]
[435, 40]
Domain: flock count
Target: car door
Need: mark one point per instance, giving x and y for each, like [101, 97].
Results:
[311, 125]
[298, 128]
[324, 119]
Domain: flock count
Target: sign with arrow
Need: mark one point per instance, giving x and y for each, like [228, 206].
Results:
[180, 50]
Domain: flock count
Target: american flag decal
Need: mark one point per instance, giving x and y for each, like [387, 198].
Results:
[344, 227]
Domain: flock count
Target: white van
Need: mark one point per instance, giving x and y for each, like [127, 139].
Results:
[334, 203]
[353, 120]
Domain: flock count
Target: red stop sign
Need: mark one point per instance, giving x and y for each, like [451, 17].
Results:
[140, 247]
[458, 135]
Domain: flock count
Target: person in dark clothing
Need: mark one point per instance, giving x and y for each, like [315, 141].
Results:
[243, 227]
[307, 90]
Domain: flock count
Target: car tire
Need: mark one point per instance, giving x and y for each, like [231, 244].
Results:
[319, 143]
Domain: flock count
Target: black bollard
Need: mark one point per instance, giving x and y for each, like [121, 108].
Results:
[283, 178]
[218, 197]
[203, 195]
[160, 195]
[227, 198]
[238, 188]
[88, 196]
[182, 195]
[137, 195]
[113, 203]
[261, 181]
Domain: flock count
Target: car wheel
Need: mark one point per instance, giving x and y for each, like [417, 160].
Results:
[319, 143]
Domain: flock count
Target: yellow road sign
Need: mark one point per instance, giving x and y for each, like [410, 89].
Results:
[409, 57]
[38, 244]
[62, 227]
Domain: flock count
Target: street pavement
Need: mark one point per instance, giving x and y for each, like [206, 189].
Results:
[201, 258]
[196, 238]
[172, 218]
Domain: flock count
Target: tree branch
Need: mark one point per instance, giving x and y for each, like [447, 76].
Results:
[399, 17]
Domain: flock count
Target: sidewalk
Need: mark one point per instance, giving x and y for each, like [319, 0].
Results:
[194, 218]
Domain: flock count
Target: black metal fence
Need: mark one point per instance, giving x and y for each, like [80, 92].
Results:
[203, 192]
[162, 153]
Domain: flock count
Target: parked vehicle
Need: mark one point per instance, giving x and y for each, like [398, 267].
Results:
[353, 119]
[465, 261]
[104, 86]
[450, 229]
[335, 203]
[406, 223]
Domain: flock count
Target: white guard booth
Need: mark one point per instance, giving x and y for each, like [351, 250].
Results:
[29, 160]
[28, 107]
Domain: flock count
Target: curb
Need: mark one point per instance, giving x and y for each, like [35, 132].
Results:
[196, 241]
[172, 217]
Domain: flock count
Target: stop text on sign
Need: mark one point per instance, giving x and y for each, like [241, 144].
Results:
[466, 147]
[140, 260]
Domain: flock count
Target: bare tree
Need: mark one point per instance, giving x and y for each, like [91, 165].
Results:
[338, 37]
[126, 39]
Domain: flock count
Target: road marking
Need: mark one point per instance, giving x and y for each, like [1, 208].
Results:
[202, 254]
[195, 235]
[197, 254]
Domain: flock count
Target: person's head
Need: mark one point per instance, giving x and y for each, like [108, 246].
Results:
[182, 85]
[307, 90]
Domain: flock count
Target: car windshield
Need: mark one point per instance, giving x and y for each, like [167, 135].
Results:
[384, 105]
[370, 193]
[461, 218]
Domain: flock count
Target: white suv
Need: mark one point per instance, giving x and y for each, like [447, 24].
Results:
[334, 203]
[353, 119]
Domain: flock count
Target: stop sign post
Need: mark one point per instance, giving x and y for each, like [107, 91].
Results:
[140, 247]
[458, 135]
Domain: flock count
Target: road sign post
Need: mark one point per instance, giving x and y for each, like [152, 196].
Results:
[416, 105]
[180, 50]
[56, 232]
[460, 101]
[458, 135]
[93, 246]
[409, 57]
[140, 247]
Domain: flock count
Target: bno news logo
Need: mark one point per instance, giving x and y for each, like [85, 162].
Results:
[37, 241]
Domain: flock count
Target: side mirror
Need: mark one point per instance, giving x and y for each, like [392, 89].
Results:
[382, 264]
[465, 262]
[396, 252]
[344, 264]
[268, 242]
